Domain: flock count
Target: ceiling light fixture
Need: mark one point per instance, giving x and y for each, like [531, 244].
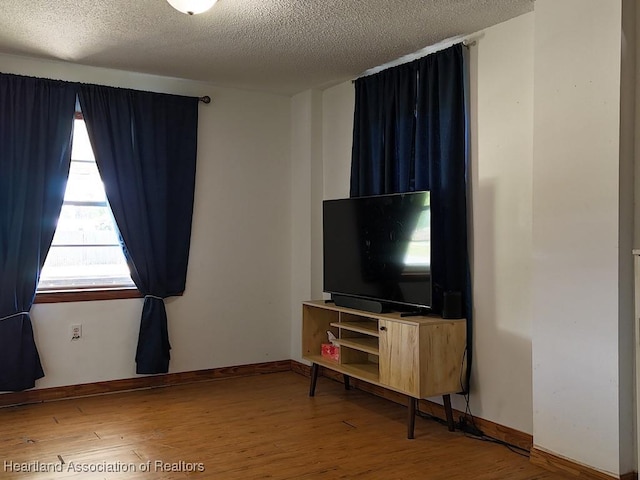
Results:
[192, 7]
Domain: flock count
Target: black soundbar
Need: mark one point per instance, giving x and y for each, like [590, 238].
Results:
[364, 304]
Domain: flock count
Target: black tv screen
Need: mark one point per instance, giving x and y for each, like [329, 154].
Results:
[379, 248]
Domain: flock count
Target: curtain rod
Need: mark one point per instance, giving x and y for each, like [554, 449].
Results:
[466, 40]
[203, 99]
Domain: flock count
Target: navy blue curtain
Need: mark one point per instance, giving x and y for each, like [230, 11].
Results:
[145, 148]
[410, 134]
[384, 132]
[36, 122]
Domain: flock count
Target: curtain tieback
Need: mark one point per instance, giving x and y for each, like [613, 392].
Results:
[14, 315]
[153, 296]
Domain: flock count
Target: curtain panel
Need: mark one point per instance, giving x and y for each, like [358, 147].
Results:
[410, 134]
[36, 122]
[145, 148]
[384, 133]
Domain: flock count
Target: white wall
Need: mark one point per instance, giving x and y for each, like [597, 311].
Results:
[626, 330]
[579, 226]
[636, 242]
[236, 306]
[306, 198]
[501, 67]
[636, 174]
[338, 104]
[321, 163]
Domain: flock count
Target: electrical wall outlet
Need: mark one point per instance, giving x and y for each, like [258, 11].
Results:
[76, 332]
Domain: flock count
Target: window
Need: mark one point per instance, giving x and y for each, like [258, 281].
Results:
[418, 254]
[85, 252]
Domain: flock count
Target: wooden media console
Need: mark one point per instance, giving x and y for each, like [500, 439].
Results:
[420, 356]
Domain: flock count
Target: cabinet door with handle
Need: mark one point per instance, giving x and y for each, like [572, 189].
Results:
[399, 360]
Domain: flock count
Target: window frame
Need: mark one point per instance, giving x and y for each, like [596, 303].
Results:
[85, 295]
[80, 294]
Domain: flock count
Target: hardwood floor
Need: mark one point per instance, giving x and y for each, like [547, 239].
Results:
[243, 428]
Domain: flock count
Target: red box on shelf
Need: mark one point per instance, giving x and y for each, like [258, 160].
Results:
[330, 351]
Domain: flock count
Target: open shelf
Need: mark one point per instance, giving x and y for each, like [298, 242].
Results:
[366, 327]
[363, 344]
[363, 371]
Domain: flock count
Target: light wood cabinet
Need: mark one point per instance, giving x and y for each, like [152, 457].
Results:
[419, 356]
[400, 357]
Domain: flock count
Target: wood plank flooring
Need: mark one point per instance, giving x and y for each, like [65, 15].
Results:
[243, 428]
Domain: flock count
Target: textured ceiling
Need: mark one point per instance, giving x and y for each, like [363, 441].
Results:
[281, 46]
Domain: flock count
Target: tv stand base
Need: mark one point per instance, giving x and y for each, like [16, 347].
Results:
[419, 357]
[412, 403]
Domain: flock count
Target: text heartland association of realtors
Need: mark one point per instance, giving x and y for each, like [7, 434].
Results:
[102, 467]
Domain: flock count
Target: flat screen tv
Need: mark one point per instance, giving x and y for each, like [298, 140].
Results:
[377, 251]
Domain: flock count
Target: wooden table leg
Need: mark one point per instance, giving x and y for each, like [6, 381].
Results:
[347, 383]
[411, 418]
[314, 379]
[449, 412]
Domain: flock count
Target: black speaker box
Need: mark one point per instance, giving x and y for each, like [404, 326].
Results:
[452, 305]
